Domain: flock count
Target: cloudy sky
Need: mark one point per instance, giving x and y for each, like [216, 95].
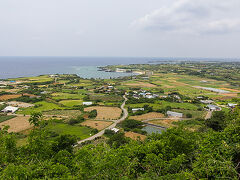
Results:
[155, 28]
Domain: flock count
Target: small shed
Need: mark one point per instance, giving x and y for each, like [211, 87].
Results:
[137, 109]
[87, 103]
[232, 105]
[206, 101]
[10, 109]
[174, 114]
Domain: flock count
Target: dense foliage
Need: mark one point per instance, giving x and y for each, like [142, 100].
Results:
[212, 153]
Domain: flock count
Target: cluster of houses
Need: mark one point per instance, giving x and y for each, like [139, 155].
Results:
[106, 88]
[209, 104]
[143, 94]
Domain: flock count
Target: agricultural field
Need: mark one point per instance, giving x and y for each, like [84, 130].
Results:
[106, 113]
[10, 90]
[138, 84]
[40, 107]
[135, 136]
[64, 96]
[68, 113]
[108, 98]
[151, 115]
[99, 125]
[9, 96]
[37, 79]
[71, 103]
[80, 132]
[195, 114]
[184, 84]
[5, 118]
[168, 123]
[162, 104]
[17, 124]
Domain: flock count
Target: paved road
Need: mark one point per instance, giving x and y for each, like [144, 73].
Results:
[125, 115]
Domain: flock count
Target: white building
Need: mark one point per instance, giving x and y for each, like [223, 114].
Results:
[137, 109]
[206, 101]
[115, 130]
[53, 75]
[174, 114]
[120, 70]
[10, 109]
[231, 105]
[213, 107]
[87, 103]
[110, 87]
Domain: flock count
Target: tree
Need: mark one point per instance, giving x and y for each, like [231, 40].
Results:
[35, 119]
[189, 115]
[217, 121]
[64, 142]
[117, 140]
[93, 113]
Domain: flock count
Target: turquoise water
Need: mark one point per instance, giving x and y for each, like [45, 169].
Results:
[92, 72]
[86, 67]
[151, 129]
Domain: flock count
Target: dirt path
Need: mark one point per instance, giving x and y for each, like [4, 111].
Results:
[208, 115]
[125, 115]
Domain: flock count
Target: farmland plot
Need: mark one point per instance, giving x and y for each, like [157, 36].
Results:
[106, 112]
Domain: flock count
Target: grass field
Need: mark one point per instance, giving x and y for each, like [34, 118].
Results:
[163, 104]
[64, 96]
[62, 128]
[69, 113]
[43, 78]
[109, 98]
[5, 118]
[71, 103]
[195, 114]
[43, 106]
[139, 84]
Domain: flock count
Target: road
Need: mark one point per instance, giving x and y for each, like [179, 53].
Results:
[124, 116]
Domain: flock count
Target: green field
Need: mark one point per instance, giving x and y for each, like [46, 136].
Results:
[63, 96]
[162, 104]
[37, 79]
[81, 132]
[43, 106]
[5, 118]
[195, 114]
[71, 103]
[109, 98]
[69, 113]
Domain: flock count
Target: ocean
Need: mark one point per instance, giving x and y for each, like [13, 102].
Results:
[86, 67]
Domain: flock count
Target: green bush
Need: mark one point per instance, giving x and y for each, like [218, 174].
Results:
[93, 114]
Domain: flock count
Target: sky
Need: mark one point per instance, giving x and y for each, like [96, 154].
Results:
[126, 28]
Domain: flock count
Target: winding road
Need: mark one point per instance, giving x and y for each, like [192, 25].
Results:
[124, 116]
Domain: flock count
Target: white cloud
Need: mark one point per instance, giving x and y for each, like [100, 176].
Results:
[193, 16]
